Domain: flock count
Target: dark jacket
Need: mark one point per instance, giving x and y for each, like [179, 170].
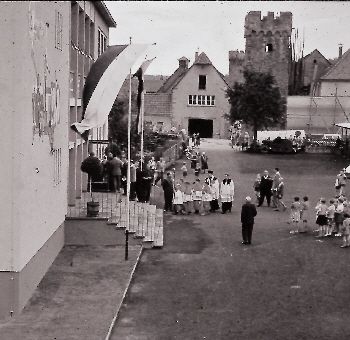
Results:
[248, 213]
[115, 166]
[167, 185]
[266, 184]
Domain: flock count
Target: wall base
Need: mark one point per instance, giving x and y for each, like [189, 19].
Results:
[16, 288]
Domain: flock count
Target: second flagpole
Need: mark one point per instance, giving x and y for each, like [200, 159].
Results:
[128, 177]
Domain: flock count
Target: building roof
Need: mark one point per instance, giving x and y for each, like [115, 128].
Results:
[344, 125]
[340, 70]
[105, 13]
[177, 76]
[153, 83]
[173, 80]
[158, 104]
[317, 52]
[202, 59]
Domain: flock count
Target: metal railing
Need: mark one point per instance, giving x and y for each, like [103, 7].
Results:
[317, 142]
[172, 154]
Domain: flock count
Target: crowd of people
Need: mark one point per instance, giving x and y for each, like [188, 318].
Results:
[113, 170]
[332, 218]
[183, 196]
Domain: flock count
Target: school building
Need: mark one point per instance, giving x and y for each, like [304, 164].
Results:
[48, 48]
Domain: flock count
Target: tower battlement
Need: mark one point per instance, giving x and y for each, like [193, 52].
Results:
[236, 55]
[254, 23]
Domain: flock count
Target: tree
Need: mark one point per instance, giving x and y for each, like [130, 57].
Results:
[257, 102]
[118, 125]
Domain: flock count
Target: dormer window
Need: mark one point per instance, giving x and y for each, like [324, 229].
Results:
[202, 82]
[268, 48]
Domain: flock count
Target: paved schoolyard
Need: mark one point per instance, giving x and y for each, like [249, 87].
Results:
[78, 297]
[204, 284]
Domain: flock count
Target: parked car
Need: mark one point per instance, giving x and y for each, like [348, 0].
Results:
[281, 145]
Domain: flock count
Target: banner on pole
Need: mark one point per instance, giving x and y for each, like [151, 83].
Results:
[103, 84]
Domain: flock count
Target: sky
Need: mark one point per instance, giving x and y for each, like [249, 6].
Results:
[181, 28]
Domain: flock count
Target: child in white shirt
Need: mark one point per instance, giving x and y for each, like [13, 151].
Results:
[178, 200]
[184, 170]
[330, 217]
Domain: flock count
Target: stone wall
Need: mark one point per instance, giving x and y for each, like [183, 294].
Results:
[268, 45]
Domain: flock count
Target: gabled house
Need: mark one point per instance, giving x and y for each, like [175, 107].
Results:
[192, 98]
[314, 66]
[336, 80]
[328, 103]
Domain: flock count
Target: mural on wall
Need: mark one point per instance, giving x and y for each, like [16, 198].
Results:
[46, 90]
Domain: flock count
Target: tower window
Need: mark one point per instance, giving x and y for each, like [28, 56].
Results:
[202, 82]
[268, 48]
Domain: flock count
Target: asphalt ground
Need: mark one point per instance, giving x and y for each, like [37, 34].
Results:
[204, 284]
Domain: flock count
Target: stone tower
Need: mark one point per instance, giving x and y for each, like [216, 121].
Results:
[236, 66]
[268, 45]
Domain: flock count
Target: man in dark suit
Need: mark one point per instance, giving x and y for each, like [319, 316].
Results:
[168, 187]
[247, 219]
[114, 166]
[265, 188]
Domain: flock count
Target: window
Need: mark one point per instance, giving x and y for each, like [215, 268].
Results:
[202, 82]
[102, 42]
[192, 100]
[201, 100]
[268, 48]
[57, 166]
[71, 84]
[58, 30]
[79, 92]
[212, 100]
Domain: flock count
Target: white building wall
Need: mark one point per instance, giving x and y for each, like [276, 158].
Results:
[189, 86]
[335, 89]
[317, 114]
[33, 70]
[7, 83]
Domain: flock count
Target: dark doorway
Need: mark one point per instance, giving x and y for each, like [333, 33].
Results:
[202, 126]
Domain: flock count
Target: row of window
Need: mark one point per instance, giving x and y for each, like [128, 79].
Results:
[57, 166]
[201, 100]
[58, 30]
[101, 42]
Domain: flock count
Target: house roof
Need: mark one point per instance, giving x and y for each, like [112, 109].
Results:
[158, 104]
[202, 59]
[173, 80]
[314, 52]
[340, 70]
[105, 13]
[177, 76]
[153, 83]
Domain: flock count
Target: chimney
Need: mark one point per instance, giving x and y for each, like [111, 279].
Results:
[195, 56]
[183, 63]
[340, 50]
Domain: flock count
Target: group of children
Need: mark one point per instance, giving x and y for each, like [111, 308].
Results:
[203, 197]
[332, 219]
[192, 197]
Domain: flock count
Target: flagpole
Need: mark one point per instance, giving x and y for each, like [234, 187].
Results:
[142, 122]
[128, 177]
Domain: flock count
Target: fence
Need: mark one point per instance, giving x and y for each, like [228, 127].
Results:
[172, 154]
